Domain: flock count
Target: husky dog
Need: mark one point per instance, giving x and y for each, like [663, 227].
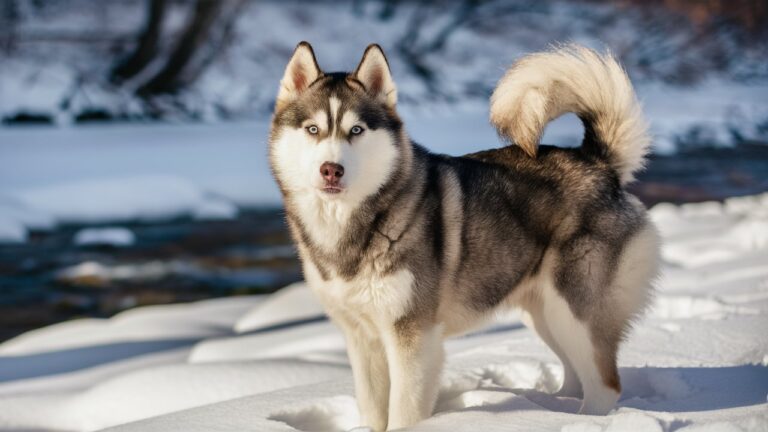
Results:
[404, 247]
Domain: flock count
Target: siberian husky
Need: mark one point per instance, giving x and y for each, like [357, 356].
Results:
[404, 247]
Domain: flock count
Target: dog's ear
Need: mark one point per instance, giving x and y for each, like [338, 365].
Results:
[302, 70]
[373, 72]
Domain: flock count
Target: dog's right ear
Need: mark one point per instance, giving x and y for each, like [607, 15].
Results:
[302, 70]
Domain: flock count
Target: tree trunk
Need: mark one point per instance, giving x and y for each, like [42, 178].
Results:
[171, 77]
[9, 18]
[414, 47]
[218, 41]
[147, 46]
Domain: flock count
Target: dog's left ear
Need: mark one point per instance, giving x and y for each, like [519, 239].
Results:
[373, 72]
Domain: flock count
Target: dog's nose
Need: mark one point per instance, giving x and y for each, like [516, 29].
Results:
[331, 172]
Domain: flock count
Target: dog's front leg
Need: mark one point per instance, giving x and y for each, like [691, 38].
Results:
[415, 356]
[369, 368]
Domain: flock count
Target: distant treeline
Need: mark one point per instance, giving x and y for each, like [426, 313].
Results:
[146, 53]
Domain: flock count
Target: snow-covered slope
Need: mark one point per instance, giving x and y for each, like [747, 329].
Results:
[697, 362]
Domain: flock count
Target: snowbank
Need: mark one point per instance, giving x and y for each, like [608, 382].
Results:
[113, 236]
[291, 304]
[130, 172]
[120, 198]
[696, 363]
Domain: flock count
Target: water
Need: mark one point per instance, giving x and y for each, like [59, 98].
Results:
[50, 278]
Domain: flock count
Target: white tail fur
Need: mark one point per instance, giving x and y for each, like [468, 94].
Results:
[541, 87]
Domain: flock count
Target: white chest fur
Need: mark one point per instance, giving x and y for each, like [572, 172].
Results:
[380, 296]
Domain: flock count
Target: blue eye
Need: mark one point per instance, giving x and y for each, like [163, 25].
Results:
[313, 130]
[356, 130]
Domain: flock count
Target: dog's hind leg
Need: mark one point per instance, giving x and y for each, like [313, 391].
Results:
[571, 386]
[589, 298]
[594, 365]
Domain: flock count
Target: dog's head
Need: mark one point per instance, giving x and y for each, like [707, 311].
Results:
[335, 136]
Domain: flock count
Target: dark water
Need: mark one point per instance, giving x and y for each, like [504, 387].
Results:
[704, 174]
[186, 260]
[50, 279]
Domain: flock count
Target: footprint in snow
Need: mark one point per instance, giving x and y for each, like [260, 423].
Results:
[522, 384]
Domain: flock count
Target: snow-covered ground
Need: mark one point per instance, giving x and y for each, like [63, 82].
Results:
[698, 362]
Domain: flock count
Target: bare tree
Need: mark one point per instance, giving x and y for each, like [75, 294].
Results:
[189, 55]
[147, 46]
[205, 34]
[169, 78]
[414, 46]
[9, 18]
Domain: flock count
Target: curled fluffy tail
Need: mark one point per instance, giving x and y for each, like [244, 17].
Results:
[541, 87]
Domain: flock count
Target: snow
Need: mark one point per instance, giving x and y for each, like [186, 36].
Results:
[16, 218]
[150, 197]
[11, 230]
[290, 304]
[112, 236]
[697, 362]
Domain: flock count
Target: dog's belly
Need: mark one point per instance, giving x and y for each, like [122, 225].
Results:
[457, 316]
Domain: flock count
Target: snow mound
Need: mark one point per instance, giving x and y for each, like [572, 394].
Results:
[626, 422]
[698, 230]
[315, 341]
[150, 323]
[11, 230]
[338, 413]
[16, 219]
[110, 174]
[676, 307]
[113, 236]
[291, 304]
[129, 198]
[154, 391]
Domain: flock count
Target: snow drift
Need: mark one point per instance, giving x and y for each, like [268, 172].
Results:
[697, 362]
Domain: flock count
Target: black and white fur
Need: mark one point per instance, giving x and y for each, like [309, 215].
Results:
[405, 247]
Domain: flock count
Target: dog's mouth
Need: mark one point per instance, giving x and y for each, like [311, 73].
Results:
[332, 189]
